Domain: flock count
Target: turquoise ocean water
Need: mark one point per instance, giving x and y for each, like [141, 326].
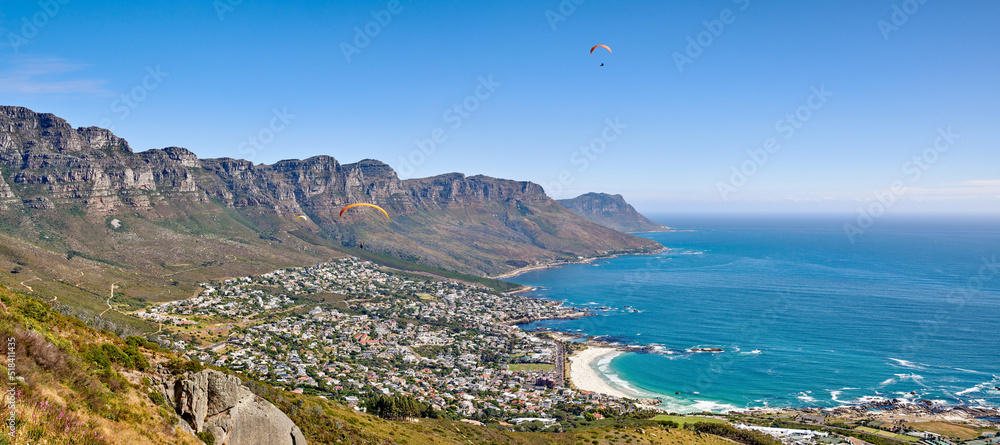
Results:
[910, 310]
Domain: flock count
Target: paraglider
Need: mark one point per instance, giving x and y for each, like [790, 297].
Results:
[365, 204]
[600, 46]
[302, 217]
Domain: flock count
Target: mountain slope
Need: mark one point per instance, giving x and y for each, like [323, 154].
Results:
[85, 190]
[611, 211]
[67, 391]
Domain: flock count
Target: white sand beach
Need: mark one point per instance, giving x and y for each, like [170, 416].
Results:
[585, 377]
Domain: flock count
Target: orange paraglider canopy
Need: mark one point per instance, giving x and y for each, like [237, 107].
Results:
[600, 46]
[365, 204]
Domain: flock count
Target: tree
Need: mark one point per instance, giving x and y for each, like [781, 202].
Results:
[396, 407]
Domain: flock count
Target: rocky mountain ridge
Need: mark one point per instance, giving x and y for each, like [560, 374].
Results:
[474, 224]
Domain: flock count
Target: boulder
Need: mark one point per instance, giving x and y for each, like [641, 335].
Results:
[219, 403]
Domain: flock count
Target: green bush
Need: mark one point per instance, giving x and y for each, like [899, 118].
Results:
[35, 309]
[206, 437]
[178, 365]
[135, 340]
[97, 357]
[157, 398]
[117, 356]
[138, 359]
[114, 381]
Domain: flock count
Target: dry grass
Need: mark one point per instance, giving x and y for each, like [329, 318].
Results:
[946, 429]
[64, 399]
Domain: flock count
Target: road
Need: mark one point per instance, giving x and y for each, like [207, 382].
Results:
[29, 287]
[560, 365]
[109, 298]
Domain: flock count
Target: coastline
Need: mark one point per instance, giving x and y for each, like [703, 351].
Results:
[583, 374]
[876, 404]
[585, 378]
[554, 264]
[541, 266]
[665, 229]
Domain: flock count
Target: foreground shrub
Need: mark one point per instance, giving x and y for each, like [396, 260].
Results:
[117, 356]
[748, 437]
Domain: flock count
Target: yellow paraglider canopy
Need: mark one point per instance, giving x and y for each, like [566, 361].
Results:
[301, 216]
[365, 204]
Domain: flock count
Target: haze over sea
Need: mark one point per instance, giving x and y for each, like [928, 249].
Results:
[910, 310]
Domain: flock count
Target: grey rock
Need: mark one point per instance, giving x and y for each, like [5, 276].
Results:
[219, 403]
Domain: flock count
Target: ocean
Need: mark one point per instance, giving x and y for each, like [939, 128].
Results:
[804, 317]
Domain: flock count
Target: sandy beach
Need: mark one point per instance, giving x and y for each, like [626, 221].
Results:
[583, 375]
[550, 265]
[522, 270]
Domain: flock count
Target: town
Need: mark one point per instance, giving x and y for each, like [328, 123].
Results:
[349, 328]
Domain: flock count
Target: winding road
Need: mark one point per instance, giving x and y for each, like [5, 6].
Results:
[109, 298]
[29, 287]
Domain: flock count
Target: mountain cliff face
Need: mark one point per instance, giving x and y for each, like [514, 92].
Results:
[54, 180]
[611, 211]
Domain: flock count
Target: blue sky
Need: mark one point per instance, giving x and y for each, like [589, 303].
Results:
[665, 122]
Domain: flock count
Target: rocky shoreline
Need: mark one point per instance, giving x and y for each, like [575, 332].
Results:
[891, 410]
[553, 264]
[897, 410]
[886, 410]
[569, 316]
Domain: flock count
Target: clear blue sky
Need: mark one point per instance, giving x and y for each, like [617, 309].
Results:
[224, 70]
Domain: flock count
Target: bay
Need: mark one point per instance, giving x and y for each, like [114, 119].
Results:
[805, 317]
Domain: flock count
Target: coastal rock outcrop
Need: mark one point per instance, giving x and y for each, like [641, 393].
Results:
[611, 211]
[219, 403]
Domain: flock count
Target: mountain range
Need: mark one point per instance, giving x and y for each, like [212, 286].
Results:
[84, 193]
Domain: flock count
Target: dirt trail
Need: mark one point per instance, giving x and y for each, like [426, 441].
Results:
[29, 287]
[109, 298]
